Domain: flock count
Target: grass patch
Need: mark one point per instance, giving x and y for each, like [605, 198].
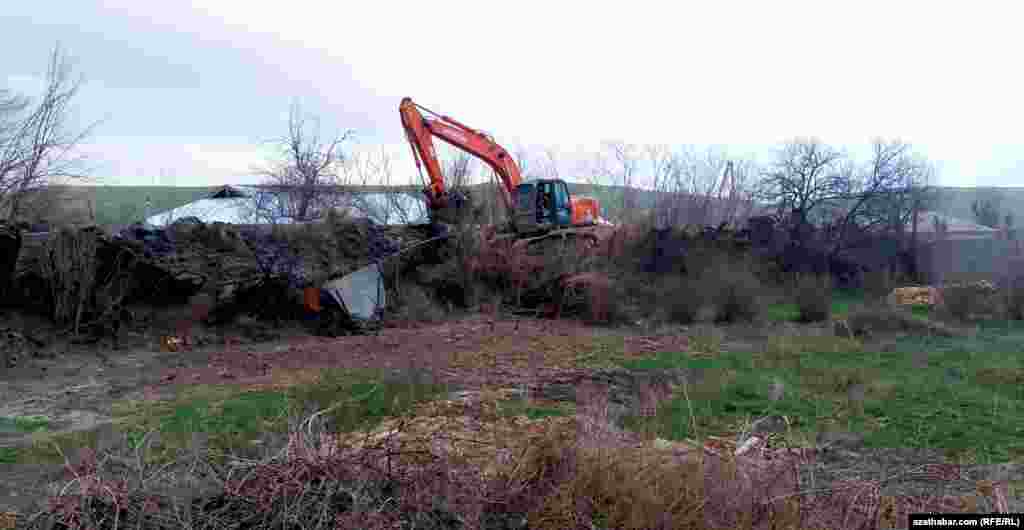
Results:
[358, 400]
[24, 424]
[842, 301]
[522, 407]
[9, 455]
[968, 397]
[234, 418]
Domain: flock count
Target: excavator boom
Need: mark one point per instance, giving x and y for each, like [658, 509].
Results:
[421, 130]
[538, 206]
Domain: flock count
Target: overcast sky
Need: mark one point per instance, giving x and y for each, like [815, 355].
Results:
[188, 92]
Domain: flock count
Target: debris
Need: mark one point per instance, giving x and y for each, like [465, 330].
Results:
[170, 344]
[14, 346]
[360, 293]
[777, 390]
[841, 328]
[929, 296]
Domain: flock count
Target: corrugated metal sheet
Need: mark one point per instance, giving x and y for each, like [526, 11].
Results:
[361, 293]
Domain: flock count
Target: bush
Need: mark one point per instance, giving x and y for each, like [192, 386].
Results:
[683, 299]
[1014, 299]
[963, 300]
[814, 298]
[866, 319]
[878, 284]
[736, 293]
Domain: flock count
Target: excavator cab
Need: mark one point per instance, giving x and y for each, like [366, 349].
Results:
[542, 205]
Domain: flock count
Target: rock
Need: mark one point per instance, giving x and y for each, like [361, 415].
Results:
[14, 348]
[841, 328]
[777, 390]
[839, 440]
[763, 427]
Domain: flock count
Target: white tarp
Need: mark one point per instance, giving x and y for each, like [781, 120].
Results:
[248, 205]
[361, 293]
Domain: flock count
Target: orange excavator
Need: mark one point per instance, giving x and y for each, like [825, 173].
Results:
[537, 208]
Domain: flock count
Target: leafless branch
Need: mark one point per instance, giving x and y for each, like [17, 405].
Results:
[376, 168]
[38, 143]
[807, 174]
[307, 169]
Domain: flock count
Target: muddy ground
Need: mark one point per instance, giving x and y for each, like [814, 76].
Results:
[76, 385]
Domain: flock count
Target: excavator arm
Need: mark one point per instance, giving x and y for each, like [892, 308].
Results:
[420, 131]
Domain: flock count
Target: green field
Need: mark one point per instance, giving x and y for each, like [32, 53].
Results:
[124, 204]
[963, 395]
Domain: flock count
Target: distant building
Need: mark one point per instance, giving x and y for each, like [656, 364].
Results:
[955, 228]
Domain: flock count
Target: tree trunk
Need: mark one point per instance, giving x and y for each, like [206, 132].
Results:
[914, 269]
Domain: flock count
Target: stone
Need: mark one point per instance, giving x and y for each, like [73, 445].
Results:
[839, 440]
[768, 425]
[841, 328]
[777, 390]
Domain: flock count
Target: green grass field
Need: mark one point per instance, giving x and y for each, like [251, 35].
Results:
[125, 204]
[963, 396]
[789, 312]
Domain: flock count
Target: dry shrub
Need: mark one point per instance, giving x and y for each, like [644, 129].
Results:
[878, 284]
[459, 464]
[964, 300]
[706, 340]
[683, 299]
[866, 319]
[415, 304]
[594, 296]
[814, 298]
[69, 266]
[1013, 293]
[735, 291]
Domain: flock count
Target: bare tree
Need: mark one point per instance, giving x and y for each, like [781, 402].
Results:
[700, 188]
[306, 172]
[524, 160]
[659, 158]
[616, 166]
[458, 168]
[550, 163]
[883, 196]
[807, 176]
[38, 142]
[375, 168]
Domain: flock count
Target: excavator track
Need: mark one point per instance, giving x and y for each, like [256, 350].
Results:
[568, 241]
